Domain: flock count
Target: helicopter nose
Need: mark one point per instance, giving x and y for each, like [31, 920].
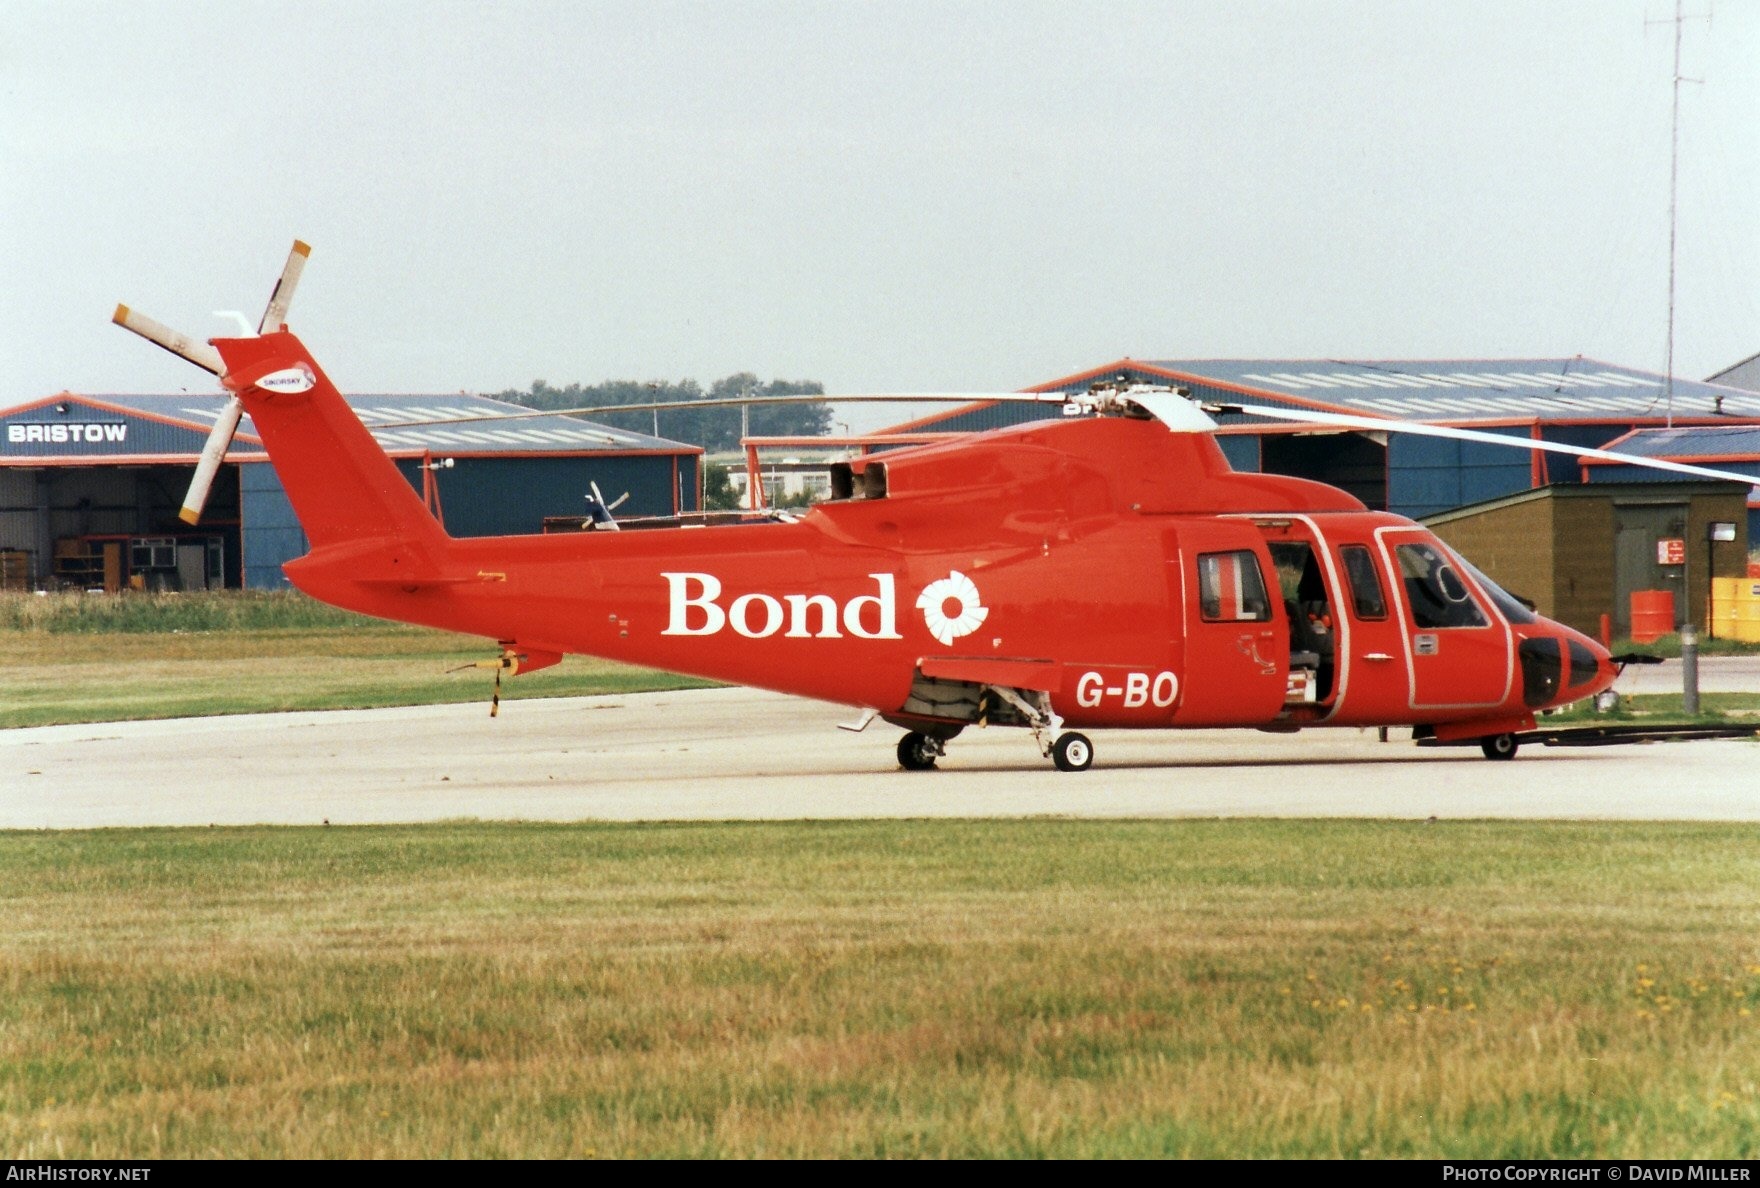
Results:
[1590, 669]
[1560, 668]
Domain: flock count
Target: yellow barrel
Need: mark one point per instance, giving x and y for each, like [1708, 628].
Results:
[1735, 608]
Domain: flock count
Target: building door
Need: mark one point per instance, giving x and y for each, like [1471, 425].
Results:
[1636, 529]
[192, 564]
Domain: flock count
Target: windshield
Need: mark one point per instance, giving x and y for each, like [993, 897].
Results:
[1435, 594]
[1514, 609]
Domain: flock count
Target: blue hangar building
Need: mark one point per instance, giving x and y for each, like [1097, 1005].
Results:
[90, 486]
[1575, 401]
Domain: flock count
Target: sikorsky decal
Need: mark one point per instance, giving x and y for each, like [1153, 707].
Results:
[696, 610]
[67, 433]
[951, 607]
[298, 378]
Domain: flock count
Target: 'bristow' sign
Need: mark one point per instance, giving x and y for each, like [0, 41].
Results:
[67, 433]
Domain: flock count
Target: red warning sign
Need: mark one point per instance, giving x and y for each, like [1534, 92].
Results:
[1671, 552]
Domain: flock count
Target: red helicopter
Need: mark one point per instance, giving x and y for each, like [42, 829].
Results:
[1105, 570]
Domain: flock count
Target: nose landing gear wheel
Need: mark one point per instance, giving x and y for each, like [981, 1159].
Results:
[918, 752]
[1498, 746]
[1072, 752]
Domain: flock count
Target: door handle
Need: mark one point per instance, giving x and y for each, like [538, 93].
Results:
[1378, 657]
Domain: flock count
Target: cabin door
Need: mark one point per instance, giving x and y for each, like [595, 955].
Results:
[1306, 587]
[1374, 681]
[1458, 650]
[1236, 641]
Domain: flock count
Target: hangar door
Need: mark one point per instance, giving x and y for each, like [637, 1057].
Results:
[1352, 461]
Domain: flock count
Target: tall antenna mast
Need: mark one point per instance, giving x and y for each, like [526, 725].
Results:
[1674, 171]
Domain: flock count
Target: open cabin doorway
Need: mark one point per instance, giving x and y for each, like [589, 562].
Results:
[1309, 604]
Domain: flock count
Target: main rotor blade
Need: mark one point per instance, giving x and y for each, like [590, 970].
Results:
[213, 452]
[1388, 425]
[161, 335]
[729, 401]
[281, 296]
[1171, 409]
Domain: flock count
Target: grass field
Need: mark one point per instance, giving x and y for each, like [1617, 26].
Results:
[1017, 988]
[76, 658]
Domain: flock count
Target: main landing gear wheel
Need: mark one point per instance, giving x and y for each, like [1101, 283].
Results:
[1498, 746]
[1072, 752]
[918, 752]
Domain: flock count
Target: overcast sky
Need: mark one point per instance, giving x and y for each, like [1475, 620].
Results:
[887, 196]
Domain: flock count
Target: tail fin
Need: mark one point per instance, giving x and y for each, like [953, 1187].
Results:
[343, 487]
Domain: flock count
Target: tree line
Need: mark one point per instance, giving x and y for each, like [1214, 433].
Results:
[715, 428]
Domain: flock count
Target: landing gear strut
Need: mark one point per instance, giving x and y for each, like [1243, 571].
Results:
[1498, 746]
[918, 752]
[1068, 752]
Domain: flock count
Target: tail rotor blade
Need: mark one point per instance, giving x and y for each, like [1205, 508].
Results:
[219, 441]
[275, 313]
[161, 335]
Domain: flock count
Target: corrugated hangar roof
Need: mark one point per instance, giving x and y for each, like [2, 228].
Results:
[1728, 447]
[1468, 389]
[409, 423]
[1702, 442]
[1559, 391]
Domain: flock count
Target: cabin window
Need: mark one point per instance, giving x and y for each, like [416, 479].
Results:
[1438, 596]
[1365, 583]
[1231, 588]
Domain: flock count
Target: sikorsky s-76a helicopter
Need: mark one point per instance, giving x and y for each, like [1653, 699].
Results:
[1107, 569]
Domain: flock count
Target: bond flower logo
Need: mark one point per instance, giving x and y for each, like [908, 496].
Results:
[951, 607]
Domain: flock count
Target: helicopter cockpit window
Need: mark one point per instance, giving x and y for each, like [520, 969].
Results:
[1365, 583]
[1438, 596]
[1231, 588]
[1513, 608]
